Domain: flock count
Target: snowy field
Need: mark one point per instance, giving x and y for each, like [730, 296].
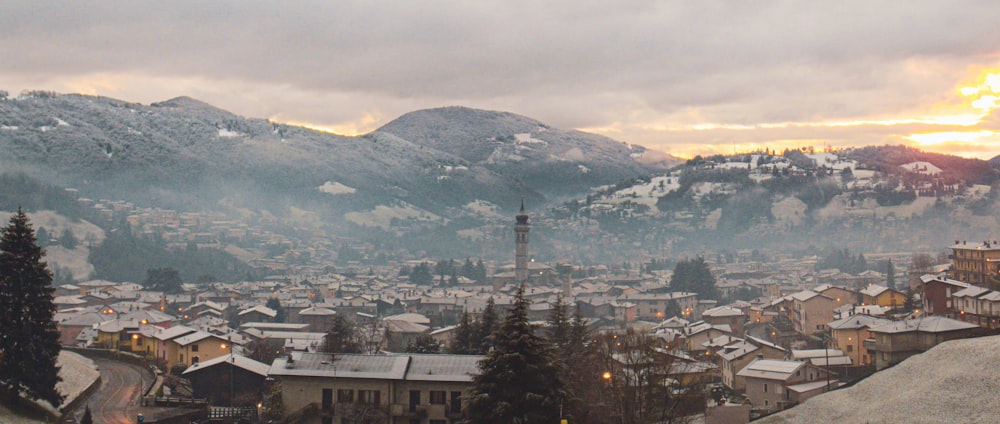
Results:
[954, 382]
[77, 373]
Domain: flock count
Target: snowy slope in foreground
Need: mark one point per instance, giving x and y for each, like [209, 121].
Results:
[956, 381]
[77, 373]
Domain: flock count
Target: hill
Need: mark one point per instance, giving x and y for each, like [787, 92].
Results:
[953, 382]
[184, 152]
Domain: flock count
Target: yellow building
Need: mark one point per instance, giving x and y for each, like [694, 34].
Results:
[883, 296]
[850, 333]
[975, 263]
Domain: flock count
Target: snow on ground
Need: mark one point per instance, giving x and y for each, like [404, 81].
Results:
[526, 138]
[77, 373]
[334, 188]
[74, 260]
[789, 209]
[382, 216]
[646, 194]
[483, 208]
[223, 132]
[956, 381]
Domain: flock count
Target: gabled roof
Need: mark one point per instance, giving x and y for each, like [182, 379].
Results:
[971, 291]
[264, 310]
[172, 332]
[854, 322]
[928, 278]
[409, 317]
[197, 336]
[722, 311]
[771, 369]
[238, 361]
[380, 367]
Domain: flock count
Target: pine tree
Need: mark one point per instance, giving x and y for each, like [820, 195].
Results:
[890, 275]
[87, 419]
[461, 343]
[424, 343]
[488, 323]
[29, 341]
[342, 337]
[560, 326]
[519, 381]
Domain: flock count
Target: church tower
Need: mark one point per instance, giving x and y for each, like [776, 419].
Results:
[521, 246]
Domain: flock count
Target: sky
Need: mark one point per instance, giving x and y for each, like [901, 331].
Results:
[683, 77]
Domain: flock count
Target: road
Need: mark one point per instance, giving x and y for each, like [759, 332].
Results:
[117, 400]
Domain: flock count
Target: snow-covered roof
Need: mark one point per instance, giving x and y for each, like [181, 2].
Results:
[383, 367]
[409, 317]
[317, 311]
[930, 324]
[172, 332]
[857, 321]
[238, 361]
[195, 337]
[771, 369]
[722, 311]
[264, 310]
[815, 353]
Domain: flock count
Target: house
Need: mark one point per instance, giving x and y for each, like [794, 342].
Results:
[211, 380]
[318, 318]
[937, 294]
[810, 311]
[727, 315]
[698, 333]
[735, 356]
[198, 346]
[875, 294]
[325, 388]
[258, 313]
[975, 263]
[167, 353]
[898, 340]
[849, 334]
[773, 385]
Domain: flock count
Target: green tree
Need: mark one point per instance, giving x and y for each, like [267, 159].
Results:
[87, 419]
[890, 275]
[461, 343]
[67, 239]
[29, 340]
[424, 343]
[518, 381]
[166, 280]
[694, 276]
[342, 337]
[488, 324]
[275, 304]
[560, 326]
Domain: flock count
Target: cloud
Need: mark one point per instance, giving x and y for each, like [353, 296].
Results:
[626, 66]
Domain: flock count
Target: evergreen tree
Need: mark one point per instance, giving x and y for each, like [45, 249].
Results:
[29, 341]
[275, 304]
[560, 325]
[42, 236]
[890, 275]
[86, 419]
[488, 324]
[519, 381]
[67, 239]
[166, 280]
[461, 343]
[694, 276]
[424, 343]
[480, 272]
[342, 337]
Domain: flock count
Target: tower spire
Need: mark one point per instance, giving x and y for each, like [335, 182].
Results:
[521, 246]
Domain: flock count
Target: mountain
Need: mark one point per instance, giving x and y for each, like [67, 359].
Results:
[183, 153]
[948, 383]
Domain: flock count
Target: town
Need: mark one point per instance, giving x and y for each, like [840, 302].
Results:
[740, 338]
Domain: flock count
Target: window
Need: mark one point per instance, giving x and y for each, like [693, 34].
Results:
[345, 396]
[766, 403]
[765, 387]
[437, 422]
[326, 420]
[850, 348]
[327, 399]
[370, 397]
[194, 348]
[414, 399]
[437, 397]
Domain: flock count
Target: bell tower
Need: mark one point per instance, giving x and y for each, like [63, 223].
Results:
[521, 246]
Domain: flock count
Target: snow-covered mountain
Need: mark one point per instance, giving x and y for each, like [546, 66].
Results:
[183, 153]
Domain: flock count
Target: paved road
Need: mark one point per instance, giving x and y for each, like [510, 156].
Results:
[117, 400]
